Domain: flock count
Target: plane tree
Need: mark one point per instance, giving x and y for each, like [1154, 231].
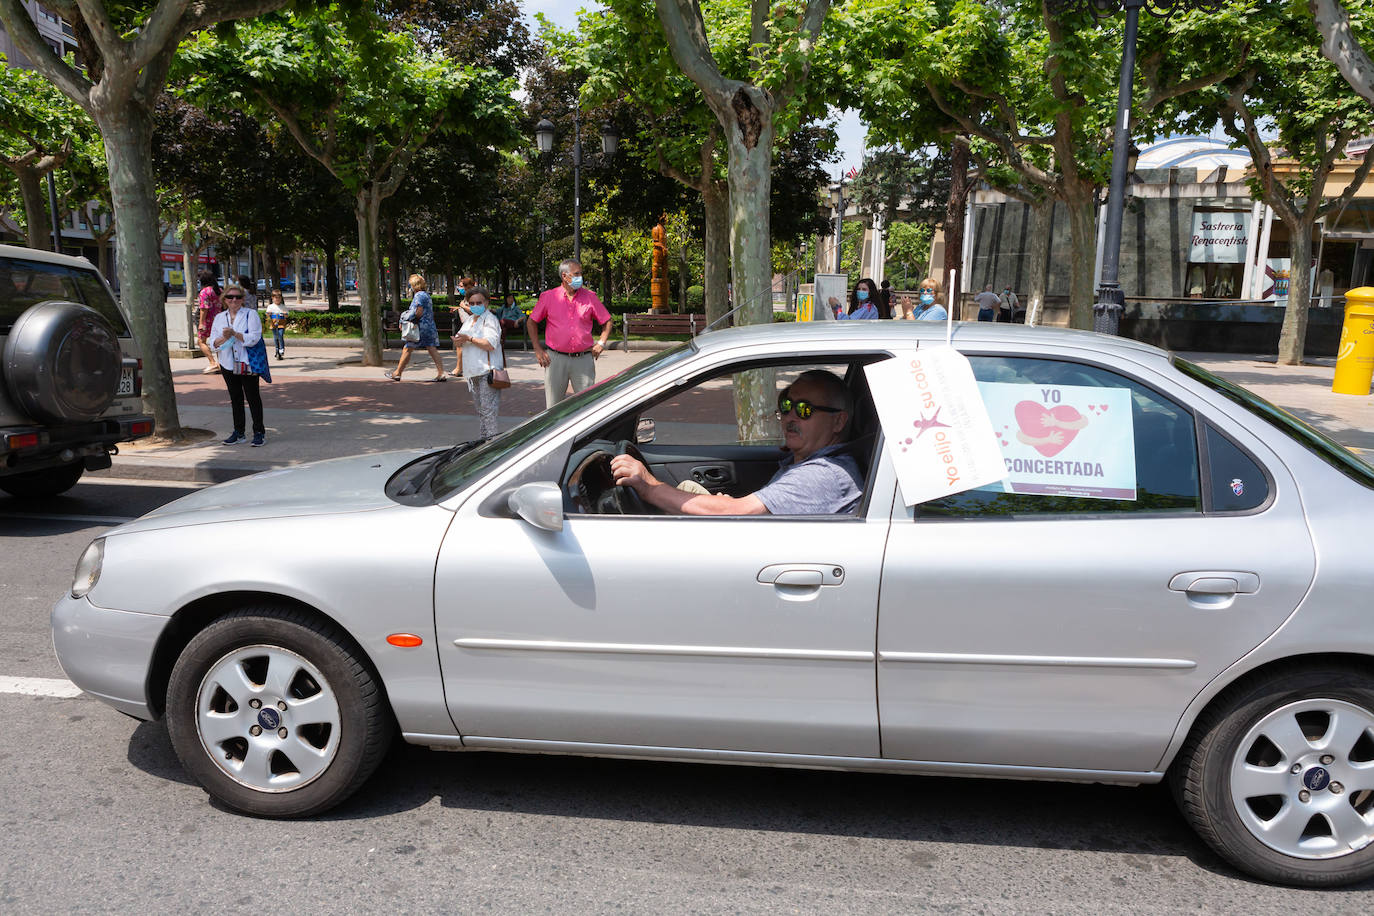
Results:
[359, 100]
[126, 49]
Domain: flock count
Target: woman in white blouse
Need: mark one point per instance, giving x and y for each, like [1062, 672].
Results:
[480, 338]
[234, 331]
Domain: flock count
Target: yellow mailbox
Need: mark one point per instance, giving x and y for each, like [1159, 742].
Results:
[1355, 355]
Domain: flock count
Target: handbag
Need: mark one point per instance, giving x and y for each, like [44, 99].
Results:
[257, 360]
[498, 379]
[410, 331]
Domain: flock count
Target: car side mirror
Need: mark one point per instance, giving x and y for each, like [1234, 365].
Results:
[645, 431]
[540, 504]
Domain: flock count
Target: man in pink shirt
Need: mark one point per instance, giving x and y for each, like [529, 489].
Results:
[569, 313]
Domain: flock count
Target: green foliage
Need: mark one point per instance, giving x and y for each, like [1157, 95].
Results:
[908, 250]
[358, 98]
[696, 297]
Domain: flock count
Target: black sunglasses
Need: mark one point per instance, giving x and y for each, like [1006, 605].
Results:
[233, 296]
[803, 408]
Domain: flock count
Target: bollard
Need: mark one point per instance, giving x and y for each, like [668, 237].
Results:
[1355, 355]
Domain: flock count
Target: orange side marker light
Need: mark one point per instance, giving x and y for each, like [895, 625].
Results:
[405, 640]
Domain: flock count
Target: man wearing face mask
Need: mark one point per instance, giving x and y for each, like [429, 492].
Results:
[570, 311]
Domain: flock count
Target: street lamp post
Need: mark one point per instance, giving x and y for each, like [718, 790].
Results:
[610, 139]
[1111, 301]
[838, 190]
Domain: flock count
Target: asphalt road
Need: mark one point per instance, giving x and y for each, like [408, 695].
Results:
[96, 815]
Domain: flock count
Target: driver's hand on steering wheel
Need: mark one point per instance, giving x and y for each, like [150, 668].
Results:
[631, 472]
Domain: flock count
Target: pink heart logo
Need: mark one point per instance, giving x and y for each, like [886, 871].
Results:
[1102, 407]
[1048, 430]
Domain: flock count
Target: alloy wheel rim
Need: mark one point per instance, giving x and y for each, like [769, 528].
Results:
[1302, 779]
[267, 718]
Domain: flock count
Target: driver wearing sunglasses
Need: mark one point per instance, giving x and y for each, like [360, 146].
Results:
[818, 477]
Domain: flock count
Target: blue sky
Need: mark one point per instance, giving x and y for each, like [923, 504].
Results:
[564, 13]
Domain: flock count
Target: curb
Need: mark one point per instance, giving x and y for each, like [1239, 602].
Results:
[129, 468]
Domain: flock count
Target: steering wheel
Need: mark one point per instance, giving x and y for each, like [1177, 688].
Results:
[626, 500]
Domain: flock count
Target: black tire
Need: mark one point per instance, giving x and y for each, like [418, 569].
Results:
[62, 362]
[44, 483]
[325, 666]
[1307, 705]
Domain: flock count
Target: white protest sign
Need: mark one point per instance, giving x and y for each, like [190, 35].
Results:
[936, 428]
[1064, 440]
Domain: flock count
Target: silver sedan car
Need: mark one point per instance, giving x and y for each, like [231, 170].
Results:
[1173, 582]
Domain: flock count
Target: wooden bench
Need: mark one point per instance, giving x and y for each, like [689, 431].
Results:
[663, 323]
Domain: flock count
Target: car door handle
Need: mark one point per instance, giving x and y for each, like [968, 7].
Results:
[711, 475]
[811, 575]
[1215, 583]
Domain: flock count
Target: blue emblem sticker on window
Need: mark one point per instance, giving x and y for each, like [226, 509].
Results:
[1237, 486]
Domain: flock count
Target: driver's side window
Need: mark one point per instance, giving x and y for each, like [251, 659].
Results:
[704, 413]
[691, 437]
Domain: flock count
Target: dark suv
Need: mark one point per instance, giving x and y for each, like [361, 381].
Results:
[71, 380]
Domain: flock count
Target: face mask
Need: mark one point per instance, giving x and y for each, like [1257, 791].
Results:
[575, 283]
[927, 298]
[861, 295]
[478, 309]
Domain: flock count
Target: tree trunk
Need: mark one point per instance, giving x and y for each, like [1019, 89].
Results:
[717, 251]
[606, 272]
[1083, 242]
[1042, 219]
[367, 208]
[38, 230]
[331, 274]
[273, 267]
[394, 253]
[127, 133]
[190, 254]
[750, 138]
[296, 269]
[684, 279]
[955, 209]
[1293, 336]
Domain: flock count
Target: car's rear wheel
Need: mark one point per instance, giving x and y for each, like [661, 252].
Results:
[275, 714]
[1279, 779]
[44, 483]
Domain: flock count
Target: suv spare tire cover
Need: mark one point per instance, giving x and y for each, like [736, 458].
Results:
[62, 362]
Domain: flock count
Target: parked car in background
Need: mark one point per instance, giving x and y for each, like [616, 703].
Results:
[71, 379]
[350, 284]
[1171, 583]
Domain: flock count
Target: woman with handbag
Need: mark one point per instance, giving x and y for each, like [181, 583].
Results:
[484, 365]
[237, 338]
[426, 333]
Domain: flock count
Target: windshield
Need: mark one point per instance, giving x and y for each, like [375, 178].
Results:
[1315, 441]
[458, 470]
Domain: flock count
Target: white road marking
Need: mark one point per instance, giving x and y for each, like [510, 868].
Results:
[39, 686]
[58, 517]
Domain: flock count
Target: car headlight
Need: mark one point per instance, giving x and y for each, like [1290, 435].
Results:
[88, 568]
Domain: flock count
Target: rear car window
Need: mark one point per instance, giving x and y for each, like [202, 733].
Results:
[1159, 445]
[1316, 442]
[27, 283]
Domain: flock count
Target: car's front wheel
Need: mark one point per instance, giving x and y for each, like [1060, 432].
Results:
[1279, 780]
[274, 713]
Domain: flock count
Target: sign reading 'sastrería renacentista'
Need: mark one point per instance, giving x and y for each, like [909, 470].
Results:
[1218, 238]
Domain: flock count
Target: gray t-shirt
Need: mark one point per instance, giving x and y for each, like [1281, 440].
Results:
[827, 483]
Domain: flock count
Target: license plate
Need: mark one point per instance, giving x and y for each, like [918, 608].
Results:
[126, 383]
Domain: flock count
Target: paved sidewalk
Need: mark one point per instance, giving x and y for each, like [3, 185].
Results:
[323, 403]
